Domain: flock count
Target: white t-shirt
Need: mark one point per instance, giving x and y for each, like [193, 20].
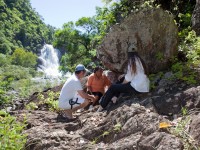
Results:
[139, 80]
[69, 91]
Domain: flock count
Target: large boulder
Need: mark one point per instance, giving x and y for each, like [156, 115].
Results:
[150, 32]
[194, 128]
[195, 18]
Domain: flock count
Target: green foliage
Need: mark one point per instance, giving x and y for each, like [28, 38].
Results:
[4, 60]
[21, 26]
[182, 71]
[183, 34]
[15, 72]
[94, 141]
[79, 42]
[16, 78]
[185, 19]
[87, 25]
[31, 106]
[23, 86]
[184, 111]
[180, 130]
[159, 56]
[116, 129]
[153, 77]
[105, 133]
[4, 86]
[23, 58]
[11, 133]
[191, 45]
[182, 11]
[81, 39]
[148, 4]
[51, 100]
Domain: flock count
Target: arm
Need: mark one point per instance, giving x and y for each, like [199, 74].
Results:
[107, 81]
[89, 89]
[124, 82]
[85, 95]
[89, 83]
[121, 76]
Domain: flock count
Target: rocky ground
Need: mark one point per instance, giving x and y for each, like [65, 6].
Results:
[132, 123]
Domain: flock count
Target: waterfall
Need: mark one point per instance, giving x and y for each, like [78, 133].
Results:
[48, 61]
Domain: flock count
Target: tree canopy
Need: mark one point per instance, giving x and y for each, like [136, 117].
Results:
[21, 26]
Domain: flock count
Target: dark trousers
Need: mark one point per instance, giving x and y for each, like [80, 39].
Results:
[99, 94]
[115, 90]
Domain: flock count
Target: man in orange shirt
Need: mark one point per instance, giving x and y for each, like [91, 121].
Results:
[97, 84]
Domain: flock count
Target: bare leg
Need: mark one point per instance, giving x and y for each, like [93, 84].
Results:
[84, 104]
[67, 113]
[96, 99]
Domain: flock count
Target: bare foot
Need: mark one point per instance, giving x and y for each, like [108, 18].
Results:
[100, 109]
[68, 114]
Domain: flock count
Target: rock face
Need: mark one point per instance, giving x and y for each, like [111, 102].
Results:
[150, 32]
[196, 18]
[195, 128]
[131, 123]
[128, 127]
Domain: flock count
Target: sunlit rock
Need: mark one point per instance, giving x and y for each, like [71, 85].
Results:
[151, 32]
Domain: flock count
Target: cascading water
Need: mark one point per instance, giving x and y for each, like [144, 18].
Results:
[49, 61]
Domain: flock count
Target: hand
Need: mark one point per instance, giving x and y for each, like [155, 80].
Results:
[121, 76]
[92, 98]
[89, 92]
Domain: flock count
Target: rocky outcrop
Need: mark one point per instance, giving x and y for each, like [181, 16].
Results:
[194, 128]
[196, 18]
[131, 123]
[169, 100]
[150, 32]
[128, 127]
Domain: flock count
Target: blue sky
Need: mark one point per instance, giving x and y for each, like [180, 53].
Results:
[58, 12]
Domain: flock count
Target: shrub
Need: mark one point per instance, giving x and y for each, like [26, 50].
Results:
[23, 58]
[15, 72]
[51, 100]
[4, 60]
[31, 106]
[11, 137]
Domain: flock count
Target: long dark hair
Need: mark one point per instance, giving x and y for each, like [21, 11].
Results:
[132, 56]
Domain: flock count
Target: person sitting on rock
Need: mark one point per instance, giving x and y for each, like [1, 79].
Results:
[97, 84]
[135, 80]
[72, 96]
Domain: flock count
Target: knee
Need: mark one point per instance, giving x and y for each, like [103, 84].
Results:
[86, 102]
[112, 87]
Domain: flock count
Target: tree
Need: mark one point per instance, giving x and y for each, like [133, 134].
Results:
[79, 42]
[22, 26]
[23, 58]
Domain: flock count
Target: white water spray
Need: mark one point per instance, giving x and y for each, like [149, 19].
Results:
[49, 61]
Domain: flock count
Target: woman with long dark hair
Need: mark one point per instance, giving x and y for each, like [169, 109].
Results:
[135, 81]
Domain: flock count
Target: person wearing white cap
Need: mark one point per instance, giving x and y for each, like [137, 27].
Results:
[72, 96]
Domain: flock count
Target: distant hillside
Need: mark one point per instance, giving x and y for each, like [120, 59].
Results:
[21, 26]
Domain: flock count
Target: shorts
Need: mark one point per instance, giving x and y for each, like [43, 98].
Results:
[69, 104]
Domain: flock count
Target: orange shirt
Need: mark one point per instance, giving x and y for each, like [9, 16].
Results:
[98, 84]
